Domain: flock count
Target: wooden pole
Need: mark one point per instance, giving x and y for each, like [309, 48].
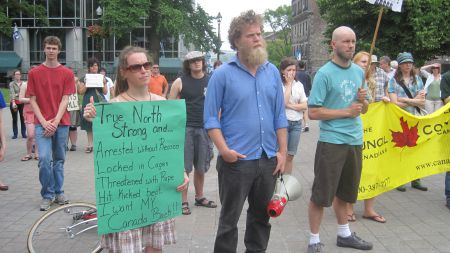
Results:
[380, 14]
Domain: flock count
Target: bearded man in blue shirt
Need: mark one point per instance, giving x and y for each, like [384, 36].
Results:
[250, 134]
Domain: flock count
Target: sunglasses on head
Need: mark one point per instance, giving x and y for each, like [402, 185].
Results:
[138, 67]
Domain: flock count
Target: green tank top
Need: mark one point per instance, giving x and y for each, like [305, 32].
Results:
[434, 90]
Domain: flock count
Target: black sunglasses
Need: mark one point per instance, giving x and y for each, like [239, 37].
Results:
[138, 67]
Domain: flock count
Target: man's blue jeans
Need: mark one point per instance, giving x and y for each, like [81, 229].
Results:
[52, 154]
[447, 185]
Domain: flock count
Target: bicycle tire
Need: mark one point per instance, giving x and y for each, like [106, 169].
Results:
[38, 240]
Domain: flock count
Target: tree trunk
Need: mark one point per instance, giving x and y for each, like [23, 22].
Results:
[155, 38]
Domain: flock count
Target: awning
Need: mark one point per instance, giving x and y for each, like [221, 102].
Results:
[9, 60]
[170, 65]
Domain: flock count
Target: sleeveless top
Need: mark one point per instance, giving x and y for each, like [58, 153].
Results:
[193, 91]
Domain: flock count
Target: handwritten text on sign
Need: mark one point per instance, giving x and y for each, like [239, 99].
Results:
[138, 157]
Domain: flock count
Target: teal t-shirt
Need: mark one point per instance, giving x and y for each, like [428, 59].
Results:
[335, 87]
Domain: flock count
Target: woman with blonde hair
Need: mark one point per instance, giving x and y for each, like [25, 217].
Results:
[362, 59]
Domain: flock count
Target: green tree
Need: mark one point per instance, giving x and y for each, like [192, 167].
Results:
[166, 18]
[14, 9]
[421, 27]
[280, 42]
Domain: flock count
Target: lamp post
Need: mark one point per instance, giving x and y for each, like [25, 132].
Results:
[219, 19]
[99, 12]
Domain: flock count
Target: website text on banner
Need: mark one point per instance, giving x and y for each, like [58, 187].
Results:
[400, 147]
[138, 162]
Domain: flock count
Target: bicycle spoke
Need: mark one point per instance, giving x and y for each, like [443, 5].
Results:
[65, 230]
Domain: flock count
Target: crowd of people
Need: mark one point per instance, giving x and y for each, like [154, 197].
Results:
[224, 109]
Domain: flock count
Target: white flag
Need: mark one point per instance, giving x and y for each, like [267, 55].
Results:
[395, 5]
[16, 33]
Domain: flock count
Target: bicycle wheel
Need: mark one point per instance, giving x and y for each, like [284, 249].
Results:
[70, 228]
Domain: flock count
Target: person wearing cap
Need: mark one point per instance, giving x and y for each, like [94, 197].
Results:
[406, 81]
[394, 65]
[432, 86]
[158, 83]
[198, 148]
[445, 96]
[246, 119]
[381, 79]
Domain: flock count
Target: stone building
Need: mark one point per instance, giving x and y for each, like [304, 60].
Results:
[307, 34]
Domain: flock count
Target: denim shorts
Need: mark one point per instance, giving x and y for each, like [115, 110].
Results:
[294, 130]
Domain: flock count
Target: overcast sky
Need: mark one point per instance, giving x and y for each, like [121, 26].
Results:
[232, 8]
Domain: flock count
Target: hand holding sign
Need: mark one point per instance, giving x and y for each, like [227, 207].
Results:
[94, 80]
[89, 111]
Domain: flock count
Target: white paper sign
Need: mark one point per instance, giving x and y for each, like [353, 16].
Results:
[73, 103]
[395, 5]
[94, 80]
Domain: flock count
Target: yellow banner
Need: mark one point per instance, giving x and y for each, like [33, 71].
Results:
[399, 147]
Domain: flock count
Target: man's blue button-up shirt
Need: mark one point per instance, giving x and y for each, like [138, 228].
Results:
[252, 108]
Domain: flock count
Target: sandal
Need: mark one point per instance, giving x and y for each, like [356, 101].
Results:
[351, 217]
[185, 210]
[205, 202]
[26, 158]
[3, 187]
[36, 158]
[88, 150]
[376, 218]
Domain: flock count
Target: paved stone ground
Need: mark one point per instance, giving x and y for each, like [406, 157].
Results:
[416, 221]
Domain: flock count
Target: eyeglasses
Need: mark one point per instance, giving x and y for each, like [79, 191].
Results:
[138, 67]
[195, 60]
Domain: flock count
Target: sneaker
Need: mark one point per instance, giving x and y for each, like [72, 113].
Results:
[61, 199]
[306, 129]
[419, 186]
[45, 204]
[315, 248]
[401, 188]
[353, 241]
[73, 148]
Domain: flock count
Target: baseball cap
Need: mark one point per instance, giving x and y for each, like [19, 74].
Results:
[404, 57]
[193, 55]
[374, 59]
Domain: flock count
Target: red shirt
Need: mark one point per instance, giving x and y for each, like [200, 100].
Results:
[157, 84]
[49, 85]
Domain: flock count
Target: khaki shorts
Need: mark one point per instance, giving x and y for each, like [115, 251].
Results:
[337, 172]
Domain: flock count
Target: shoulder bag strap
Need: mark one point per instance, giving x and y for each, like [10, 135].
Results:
[408, 93]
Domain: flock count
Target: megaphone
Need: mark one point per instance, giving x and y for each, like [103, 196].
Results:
[287, 188]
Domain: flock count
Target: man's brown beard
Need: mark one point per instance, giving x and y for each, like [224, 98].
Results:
[253, 56]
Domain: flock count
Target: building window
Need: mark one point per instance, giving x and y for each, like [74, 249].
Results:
[6, 43]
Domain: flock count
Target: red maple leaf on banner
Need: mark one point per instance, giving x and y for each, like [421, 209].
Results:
[408, 137]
